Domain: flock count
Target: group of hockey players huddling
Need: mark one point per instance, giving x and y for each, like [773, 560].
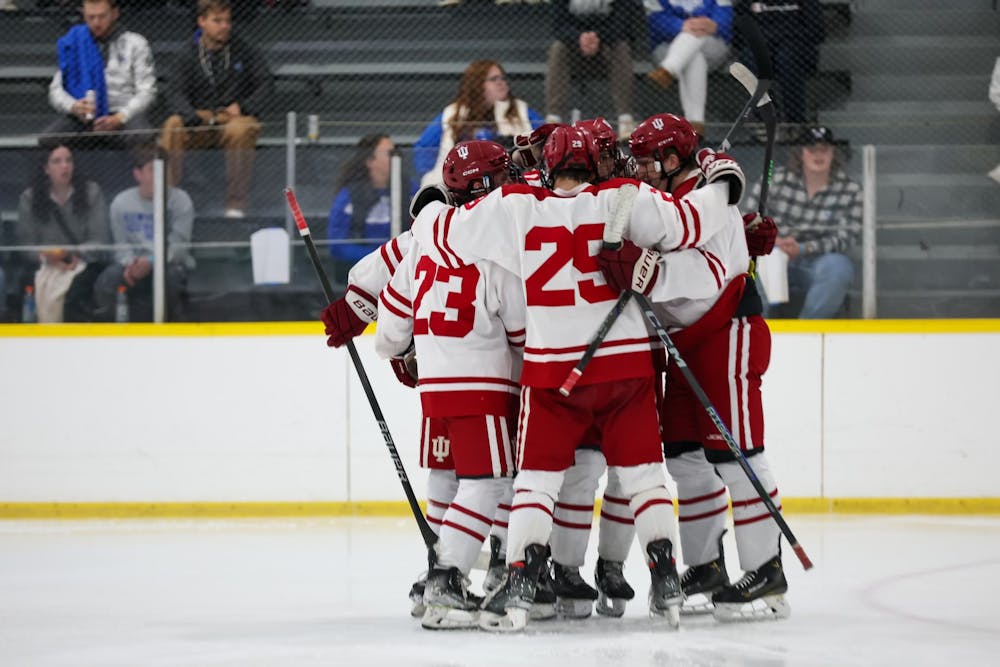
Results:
[497, 289]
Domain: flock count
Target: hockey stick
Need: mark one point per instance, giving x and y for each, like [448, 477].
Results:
[759, 92]
[765, 109]
[612, 241]
[647, 310]
[430, 539]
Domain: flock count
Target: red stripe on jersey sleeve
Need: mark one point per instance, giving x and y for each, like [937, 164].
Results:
[392, 309]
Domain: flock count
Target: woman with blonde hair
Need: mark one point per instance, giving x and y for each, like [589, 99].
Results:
[484, 108]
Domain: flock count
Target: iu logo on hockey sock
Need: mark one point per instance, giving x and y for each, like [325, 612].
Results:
[440, 447]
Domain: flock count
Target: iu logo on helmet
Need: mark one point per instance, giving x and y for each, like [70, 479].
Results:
[658, 123]
[463, 152]
[440, 448]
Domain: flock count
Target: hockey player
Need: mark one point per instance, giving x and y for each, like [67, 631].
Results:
[463, 323]
[550, 240]
[727, 345]
[348, 317]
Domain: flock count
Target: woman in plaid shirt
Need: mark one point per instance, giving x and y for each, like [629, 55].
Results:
[818, 212]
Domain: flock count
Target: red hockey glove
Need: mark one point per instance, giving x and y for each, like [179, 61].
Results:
[629, 268]
[527, 153]
[761, 233]
[722, 166]
[405, 368]
[347, 317]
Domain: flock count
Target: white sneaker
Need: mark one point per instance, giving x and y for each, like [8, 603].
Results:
[234, 214]
[995, 173]
[626, 125]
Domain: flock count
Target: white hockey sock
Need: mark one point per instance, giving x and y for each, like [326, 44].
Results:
[757, 534]
[441, 488]
[502, 516]
[535, 492]
[617, 526]
[467, 522]
[654, 517]
[574, 509]
[702, 501]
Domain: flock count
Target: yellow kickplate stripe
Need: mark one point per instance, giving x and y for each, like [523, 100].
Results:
[215, 510]
[246, 329]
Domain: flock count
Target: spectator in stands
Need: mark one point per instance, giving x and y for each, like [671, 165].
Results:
[590, 34]
[220, 84]
[105, 82]
[794, 31]
[132, 231]
[483, 108]
[689, 39]
[818, 212]
[995, 98]
[361, 208]
[3, 295]
[63, 210]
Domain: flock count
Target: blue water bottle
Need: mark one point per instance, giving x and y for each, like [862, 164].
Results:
[29, 313]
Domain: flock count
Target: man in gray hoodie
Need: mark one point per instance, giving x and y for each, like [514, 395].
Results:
[132, 230]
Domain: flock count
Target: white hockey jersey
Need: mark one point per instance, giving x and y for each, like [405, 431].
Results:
[369, 276]
[550, 240]
[704, 273]
[468, 327]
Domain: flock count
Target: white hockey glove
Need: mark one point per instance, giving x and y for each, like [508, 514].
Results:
[527, 153]
[427, 194]
[722, 167]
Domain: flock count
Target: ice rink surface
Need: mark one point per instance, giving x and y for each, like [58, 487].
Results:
[886, 590]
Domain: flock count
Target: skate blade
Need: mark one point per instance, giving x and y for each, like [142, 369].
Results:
[671, 615]
[574, 607]
[449, 618]
[542, 611]
[769, 607]
[613, 607]
[698, 604]
[514, 620]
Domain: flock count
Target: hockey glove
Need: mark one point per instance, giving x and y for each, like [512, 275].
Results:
[629, 268]
[427, 194]
[527, 153]
[347, 317]
[722, 167]
[405, 367]
[761, 233]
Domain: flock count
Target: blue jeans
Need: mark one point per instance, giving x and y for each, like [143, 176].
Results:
[824, 279]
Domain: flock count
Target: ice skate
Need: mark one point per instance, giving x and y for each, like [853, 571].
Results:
[417, 596]
[506, 608]
[544, 606]
[665, 594]
[699, 582]
[759, 594]
[574, 596]
[613, 591]
[497, 566]
[447, 601]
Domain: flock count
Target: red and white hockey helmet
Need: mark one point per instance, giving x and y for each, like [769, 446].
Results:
[655, 135]
[603, 133]
[570, 148]
[474, 168]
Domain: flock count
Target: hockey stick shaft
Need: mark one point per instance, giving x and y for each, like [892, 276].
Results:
[612, 240]
[713, 414]
[300, 221]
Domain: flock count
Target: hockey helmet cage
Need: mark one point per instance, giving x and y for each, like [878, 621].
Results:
[570, 149]
[473, 168]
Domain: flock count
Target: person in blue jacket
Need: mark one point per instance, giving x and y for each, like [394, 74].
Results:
[361, 208]
[688, 39]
